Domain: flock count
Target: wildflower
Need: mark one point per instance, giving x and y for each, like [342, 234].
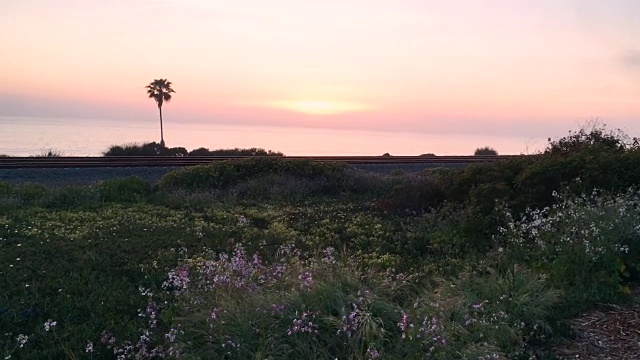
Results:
[215, 314]
[480, 306]
[304, 324]
[50, 324]
[89, 347]
[306, 279]
[277, 309]
[405, 324]
[328, 256]
[372, 353]
[171, 335]
[22, 340]
[178, 279]
[351, 322]
[107, 339]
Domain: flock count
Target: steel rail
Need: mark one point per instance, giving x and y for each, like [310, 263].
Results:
[168, 161]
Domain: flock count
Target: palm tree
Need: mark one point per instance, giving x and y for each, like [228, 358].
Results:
[160, 90]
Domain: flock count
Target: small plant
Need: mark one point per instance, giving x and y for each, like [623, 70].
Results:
[50, 153]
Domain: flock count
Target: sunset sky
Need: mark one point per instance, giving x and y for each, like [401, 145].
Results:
[497, 67]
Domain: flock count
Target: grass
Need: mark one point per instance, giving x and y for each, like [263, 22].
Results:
[272, 259]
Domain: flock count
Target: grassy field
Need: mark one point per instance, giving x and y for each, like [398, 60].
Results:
[279, 259]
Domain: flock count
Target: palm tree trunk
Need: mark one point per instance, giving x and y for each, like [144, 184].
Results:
[161, 131]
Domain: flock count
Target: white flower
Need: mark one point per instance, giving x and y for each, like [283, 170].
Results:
[50, 324]
[22, 339]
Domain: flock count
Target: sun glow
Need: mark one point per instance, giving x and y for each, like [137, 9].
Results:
[319, 107]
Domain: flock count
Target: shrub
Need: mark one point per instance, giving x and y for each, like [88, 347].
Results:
[598, 137]
[588, 245]
[71, 197]
[485, 151]
[30, 194]
[49, 153]
[234, 152]
[124, 190]
[220, 175]
[147, 149]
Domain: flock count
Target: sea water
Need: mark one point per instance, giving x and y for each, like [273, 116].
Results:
[27, 136]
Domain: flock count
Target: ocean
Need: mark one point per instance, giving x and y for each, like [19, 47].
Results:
[28, 136]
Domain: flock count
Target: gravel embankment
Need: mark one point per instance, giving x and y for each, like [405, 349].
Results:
[88, 176]
[80, 176]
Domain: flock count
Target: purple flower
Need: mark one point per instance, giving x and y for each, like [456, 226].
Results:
[304, 324]
[215, 314]
[306, 279]
[372, 353]
[277, 309]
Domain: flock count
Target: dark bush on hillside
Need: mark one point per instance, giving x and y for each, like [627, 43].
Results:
[30, 194]
[124, 190]
[597, 139]
[574, 165]
[71, 197]
[485, 151]
[233, 152]
[412, 193]
[220, 175]
[148, 149]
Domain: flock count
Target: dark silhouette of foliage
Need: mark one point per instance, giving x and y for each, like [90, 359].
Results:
[234, 152]
[148, 149]
[386, 155]
[160, 90]
[485, 151]
[155, 149]
[598, 138]
[50, 153]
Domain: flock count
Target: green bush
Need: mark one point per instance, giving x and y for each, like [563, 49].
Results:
[221, 175]
[589, 245]
[30, 194]
[71, 197]
[124, 190]
[575, 164]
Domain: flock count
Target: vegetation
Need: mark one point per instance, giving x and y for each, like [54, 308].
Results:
[48, 153]
[160, 90]
[485, 151]
[275, 258]
[155, 149]
[148, 149]
[234, 152]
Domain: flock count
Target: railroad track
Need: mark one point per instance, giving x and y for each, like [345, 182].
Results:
[167, 161]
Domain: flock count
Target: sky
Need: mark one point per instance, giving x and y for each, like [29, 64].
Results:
[457, 67]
